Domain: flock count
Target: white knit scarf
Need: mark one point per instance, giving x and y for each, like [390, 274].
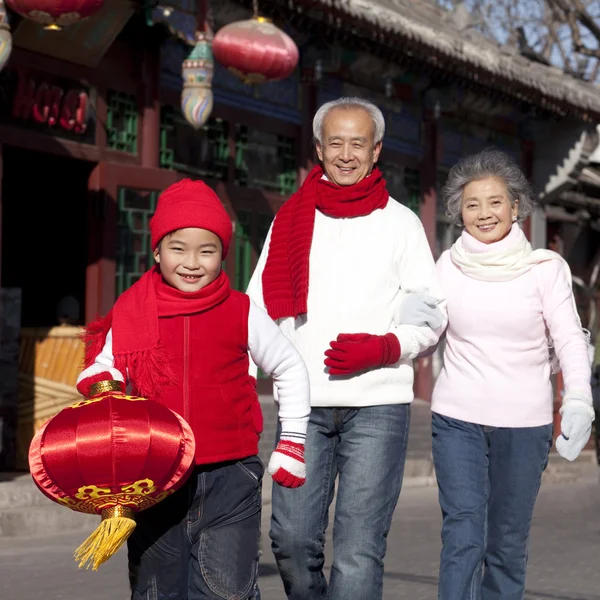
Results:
[508, 264]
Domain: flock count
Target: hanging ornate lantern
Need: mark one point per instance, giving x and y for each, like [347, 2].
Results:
[197, 72]
[55, 14]
[5, 37]
[111, 455]
[255, 50]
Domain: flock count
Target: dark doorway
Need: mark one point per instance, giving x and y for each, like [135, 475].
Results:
[44, 241]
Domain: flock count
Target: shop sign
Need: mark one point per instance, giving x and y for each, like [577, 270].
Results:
[58, 106]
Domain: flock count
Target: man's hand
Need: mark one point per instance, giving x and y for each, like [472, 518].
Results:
[420, 309]
[287, 466]
[576, 427]
[354, 352]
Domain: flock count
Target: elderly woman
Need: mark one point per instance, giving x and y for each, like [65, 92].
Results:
[509, 308]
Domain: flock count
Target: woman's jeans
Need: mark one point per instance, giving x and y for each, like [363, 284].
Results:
[202, 542]
[366, 447]
[488, 479]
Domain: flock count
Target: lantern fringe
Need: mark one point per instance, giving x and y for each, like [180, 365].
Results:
[104, 541]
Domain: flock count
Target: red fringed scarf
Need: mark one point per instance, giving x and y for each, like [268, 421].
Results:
[135, 334]
[285, 278]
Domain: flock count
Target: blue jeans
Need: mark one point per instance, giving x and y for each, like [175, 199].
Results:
[488, 479]
[366, 447]
[203, 541]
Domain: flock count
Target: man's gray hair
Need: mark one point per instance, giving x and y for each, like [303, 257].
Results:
[349, 103]
[487, 163]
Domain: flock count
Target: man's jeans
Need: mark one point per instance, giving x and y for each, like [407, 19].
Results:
[367, 448]
[488, 479]
[201, 542]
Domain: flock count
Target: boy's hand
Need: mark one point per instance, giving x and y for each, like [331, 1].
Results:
[86, 386]
[286, 466]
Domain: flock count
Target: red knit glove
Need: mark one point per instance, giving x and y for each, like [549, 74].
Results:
[354, 352]
[84, 386]
[287, 464]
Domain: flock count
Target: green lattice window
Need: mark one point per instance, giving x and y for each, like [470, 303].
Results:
[122, 122]
[201, 153]
[134, 255]
[403, 184]
[243, 251]
[265, 160]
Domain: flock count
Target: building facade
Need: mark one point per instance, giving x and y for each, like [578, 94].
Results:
[91, 131]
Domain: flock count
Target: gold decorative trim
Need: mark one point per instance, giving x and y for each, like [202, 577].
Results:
[117, 511]
[110, 385]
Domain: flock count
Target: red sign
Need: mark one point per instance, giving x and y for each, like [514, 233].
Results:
[50, 104]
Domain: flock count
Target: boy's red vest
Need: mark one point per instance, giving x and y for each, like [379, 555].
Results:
[208, 355]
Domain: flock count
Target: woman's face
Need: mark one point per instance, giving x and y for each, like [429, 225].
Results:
[487, 212]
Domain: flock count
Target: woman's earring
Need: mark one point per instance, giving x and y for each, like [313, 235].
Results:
[514, 219]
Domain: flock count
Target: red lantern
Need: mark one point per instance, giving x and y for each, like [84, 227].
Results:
[112, 455]
[55, 14]
[255, 50]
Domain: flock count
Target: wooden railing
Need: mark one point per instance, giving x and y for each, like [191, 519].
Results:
[50, 359]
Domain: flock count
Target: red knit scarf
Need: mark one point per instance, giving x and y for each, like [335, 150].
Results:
[135, 334]
[285, 278]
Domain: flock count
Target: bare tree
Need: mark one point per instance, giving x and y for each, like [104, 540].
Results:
[565, 33]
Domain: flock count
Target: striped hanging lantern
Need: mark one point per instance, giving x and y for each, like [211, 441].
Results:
[197, 72]
[5, 37]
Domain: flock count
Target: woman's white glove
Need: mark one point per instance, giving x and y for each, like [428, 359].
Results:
[576, 427]
[420, 309]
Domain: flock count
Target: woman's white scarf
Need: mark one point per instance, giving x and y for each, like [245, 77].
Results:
[508, 264]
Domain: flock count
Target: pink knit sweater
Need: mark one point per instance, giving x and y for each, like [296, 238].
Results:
[496, 370]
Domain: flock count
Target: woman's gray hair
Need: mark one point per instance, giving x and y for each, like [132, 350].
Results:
[487, 163]
[349, 103]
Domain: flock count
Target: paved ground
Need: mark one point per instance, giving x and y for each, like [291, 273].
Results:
[564, 562]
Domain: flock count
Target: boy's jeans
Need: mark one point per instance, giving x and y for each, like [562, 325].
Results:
[367, 448]
[488, 479]
[202, 542]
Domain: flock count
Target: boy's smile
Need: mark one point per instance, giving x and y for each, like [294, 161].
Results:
[189, 258]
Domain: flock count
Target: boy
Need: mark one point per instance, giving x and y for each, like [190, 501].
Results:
[181, 337]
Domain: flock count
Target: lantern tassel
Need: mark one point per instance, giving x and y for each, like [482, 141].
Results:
[117, 525]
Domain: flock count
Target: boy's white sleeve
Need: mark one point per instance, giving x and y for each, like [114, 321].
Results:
[418, 274]
[104, 362]
[255, 290]
[277, 357]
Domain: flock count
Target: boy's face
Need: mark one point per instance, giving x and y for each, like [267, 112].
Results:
[189, 258]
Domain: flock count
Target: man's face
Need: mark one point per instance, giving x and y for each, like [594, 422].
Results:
[348, 151]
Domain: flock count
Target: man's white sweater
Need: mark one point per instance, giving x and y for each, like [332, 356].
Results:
[360, 269]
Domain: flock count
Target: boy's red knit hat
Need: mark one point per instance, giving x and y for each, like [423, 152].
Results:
[190, 203]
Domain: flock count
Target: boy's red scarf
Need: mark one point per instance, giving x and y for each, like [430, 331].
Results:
[135, 334]
[285, 278]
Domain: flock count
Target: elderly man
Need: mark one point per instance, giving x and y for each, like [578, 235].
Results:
[338, 263]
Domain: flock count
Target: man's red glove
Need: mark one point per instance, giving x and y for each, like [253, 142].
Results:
[354, 352]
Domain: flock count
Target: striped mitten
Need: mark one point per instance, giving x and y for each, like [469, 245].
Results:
[287, 461]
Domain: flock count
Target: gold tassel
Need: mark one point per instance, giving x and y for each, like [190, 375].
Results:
[117, 525]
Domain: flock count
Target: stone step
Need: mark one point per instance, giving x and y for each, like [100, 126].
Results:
[46, 520]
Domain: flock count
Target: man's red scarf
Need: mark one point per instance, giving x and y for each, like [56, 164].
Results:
[285, 278]
[135, 333]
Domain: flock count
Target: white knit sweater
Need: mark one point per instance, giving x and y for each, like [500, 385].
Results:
[360, 269]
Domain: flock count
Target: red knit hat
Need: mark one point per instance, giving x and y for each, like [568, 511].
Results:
[190, 203]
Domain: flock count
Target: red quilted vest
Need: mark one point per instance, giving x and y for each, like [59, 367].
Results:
[208, 354]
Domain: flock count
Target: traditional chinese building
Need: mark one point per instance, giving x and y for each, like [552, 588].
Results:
[91, 131]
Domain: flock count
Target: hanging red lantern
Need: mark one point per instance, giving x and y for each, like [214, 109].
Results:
[255, 50]
[111, 455]
[55, 14]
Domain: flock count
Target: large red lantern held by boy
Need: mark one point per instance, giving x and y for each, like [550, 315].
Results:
[55, 14]
[111, 455]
